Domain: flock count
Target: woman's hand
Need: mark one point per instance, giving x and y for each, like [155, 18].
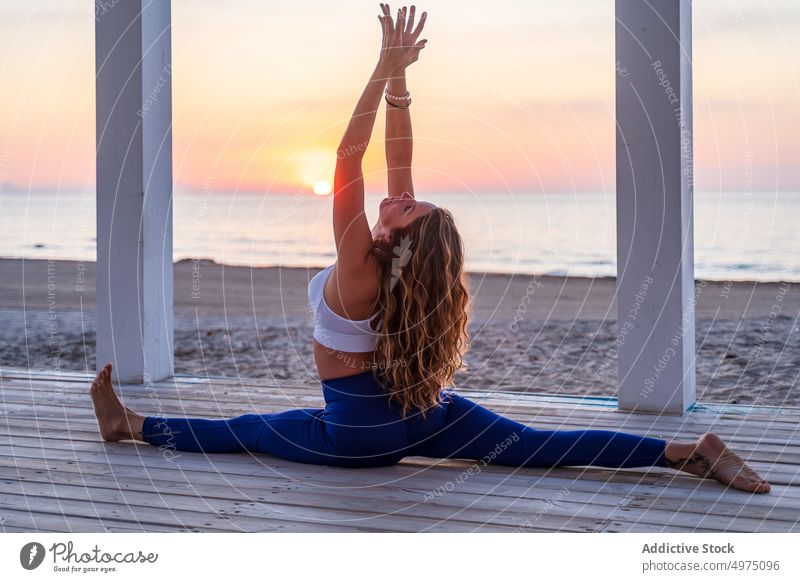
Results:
[400, 47]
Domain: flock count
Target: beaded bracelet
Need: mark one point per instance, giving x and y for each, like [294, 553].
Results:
[406, 97]
[402, 98]
[396, 105]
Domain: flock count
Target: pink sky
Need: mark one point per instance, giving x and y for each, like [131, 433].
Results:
[519, 98]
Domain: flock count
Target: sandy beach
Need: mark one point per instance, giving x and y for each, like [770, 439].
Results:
[529, 333]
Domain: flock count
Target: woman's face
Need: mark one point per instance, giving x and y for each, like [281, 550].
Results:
[398, 212]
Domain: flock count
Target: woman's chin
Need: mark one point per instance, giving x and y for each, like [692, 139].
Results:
[378, 233]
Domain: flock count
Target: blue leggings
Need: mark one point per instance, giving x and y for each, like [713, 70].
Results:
[360, 427]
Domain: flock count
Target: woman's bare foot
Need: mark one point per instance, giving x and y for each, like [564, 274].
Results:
[115, 420]
[710, 457]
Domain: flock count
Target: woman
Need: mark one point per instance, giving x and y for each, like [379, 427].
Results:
[390, 330]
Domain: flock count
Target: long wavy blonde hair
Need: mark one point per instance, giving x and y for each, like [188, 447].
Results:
[422, 306]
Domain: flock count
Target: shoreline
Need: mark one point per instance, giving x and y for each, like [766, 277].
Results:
[545, 334]
[211, 261]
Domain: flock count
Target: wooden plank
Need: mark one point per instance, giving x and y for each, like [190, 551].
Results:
[20, 529]
[278, 488]
[162, 508]
[415, 492]
[788, 510]
[615, 526]
[45, 522]
[485, 482]
[404, 479]
[337, 512]
[134, 517]
[719, 523]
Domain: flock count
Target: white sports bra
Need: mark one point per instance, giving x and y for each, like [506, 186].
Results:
[331, 329]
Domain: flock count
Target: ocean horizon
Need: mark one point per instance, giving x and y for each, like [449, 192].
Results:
[737, 236]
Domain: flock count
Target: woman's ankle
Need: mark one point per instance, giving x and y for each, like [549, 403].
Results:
[135, 423]
[677, 454]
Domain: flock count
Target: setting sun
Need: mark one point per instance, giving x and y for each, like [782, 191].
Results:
[322, 188]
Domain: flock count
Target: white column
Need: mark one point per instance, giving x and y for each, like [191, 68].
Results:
[134, 189]
[655, 252]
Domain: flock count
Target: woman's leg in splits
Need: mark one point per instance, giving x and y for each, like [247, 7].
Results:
[289, 429]
[472, 431]
[303, 435]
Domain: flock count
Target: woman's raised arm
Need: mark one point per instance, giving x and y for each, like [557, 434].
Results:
[350, 227]
[399, 137]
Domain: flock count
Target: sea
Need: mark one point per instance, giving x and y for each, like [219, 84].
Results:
[737, 236]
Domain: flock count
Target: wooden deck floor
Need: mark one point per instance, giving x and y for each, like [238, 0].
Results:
[57, 475]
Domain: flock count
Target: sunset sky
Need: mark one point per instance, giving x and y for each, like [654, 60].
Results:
[508, 96]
